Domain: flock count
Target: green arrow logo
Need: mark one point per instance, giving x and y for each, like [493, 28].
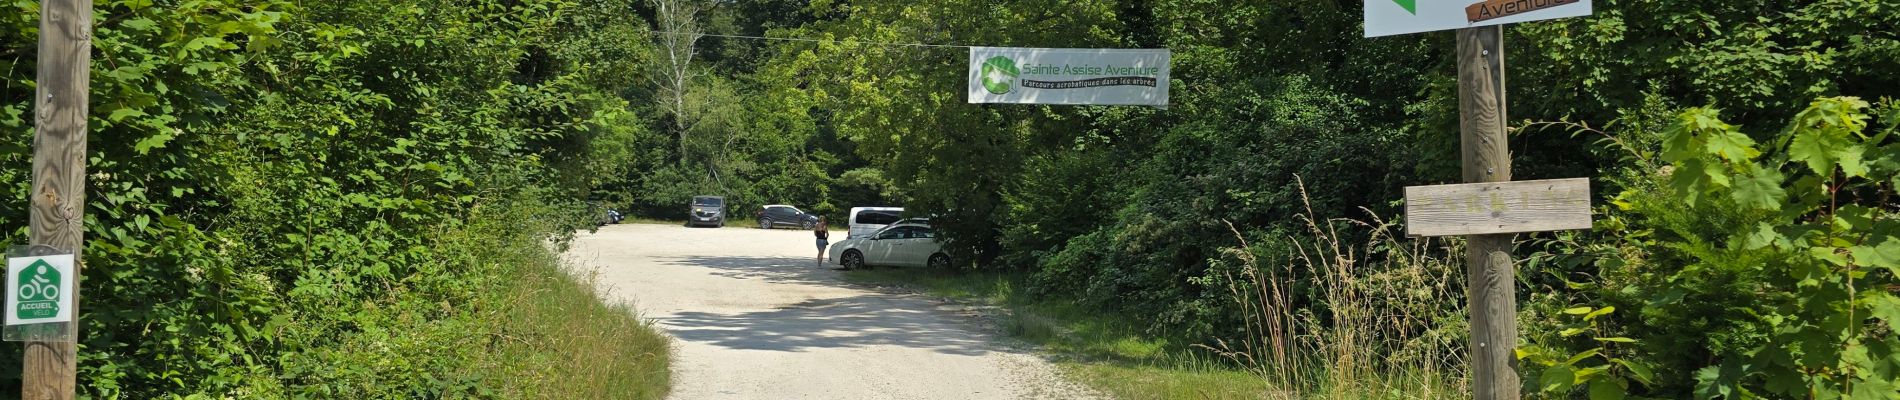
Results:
[999, 74]
[1411, 6]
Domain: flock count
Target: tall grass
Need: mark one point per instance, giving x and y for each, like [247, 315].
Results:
[561, 342]
[1326, 316]
[548, 332]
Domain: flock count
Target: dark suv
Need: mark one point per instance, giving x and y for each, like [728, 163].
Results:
[708, 211]
[778, 215]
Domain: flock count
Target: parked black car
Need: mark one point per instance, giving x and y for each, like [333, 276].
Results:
[778, 215]
[707, 211]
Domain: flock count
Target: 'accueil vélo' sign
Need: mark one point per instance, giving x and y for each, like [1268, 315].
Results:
[39, 289]
[1069, 76]
[1395, 17]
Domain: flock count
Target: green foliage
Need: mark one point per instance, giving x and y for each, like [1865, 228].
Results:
[1763, 267]
[271, 184]
[1204, 173]
[1597, 371]
[1761, 60]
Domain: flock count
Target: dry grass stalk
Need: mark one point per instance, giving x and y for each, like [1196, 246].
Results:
[1383, 322]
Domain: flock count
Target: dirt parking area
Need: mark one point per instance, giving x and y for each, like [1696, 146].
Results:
[754, 318]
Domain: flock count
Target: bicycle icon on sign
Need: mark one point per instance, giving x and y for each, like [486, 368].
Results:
[39, 292]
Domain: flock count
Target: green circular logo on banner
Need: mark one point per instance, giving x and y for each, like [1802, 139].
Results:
[999, 74]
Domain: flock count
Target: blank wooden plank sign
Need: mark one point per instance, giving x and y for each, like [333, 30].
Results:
[1498, 207]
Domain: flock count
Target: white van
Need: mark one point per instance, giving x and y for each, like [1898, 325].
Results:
[865, 220]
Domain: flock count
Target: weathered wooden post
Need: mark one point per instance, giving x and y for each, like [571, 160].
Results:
[1490, 278]
[1488, 209]
[59, 174]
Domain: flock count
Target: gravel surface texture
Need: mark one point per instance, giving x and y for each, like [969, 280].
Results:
[753, 317]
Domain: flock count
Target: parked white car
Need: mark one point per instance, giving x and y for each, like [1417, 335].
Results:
[865, 220]
[906, 244]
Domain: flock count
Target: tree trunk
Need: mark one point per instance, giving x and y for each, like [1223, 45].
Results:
[678, 35]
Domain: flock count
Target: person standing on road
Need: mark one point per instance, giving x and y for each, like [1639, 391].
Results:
[823, 233]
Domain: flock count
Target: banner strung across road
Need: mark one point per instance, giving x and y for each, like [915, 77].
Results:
[1395, 17]
[1069, 76]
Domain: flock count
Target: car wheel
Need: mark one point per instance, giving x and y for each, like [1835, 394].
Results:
[806, 225]
[852, 259]
[940, 262]
[764, 224]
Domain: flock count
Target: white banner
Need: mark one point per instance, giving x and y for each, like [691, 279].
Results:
[1395, 17]
[1069, 76]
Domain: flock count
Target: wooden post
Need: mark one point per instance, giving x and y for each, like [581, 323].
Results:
[59, 173]
[1491, 296]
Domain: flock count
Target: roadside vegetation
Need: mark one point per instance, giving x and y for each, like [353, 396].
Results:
[551, 336]
[349, 200]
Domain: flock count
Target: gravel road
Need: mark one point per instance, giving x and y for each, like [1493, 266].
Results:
[754, 318]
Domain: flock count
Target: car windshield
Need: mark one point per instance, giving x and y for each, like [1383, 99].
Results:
[707, 201]
[876, 217]
[897, 231]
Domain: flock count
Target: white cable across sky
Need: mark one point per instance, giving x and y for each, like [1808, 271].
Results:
[855, 42]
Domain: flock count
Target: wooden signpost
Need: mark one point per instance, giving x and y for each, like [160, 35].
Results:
[1494, 208]
[1490, 208]
[59, 175]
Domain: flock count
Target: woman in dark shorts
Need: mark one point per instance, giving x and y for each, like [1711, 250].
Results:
[823, 233]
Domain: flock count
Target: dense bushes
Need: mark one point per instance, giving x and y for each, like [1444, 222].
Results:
[272, 184]
[1765, 268]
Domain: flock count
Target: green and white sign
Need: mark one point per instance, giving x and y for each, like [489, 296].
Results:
[1397, 17]
[1069, 76]
[39, 289]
